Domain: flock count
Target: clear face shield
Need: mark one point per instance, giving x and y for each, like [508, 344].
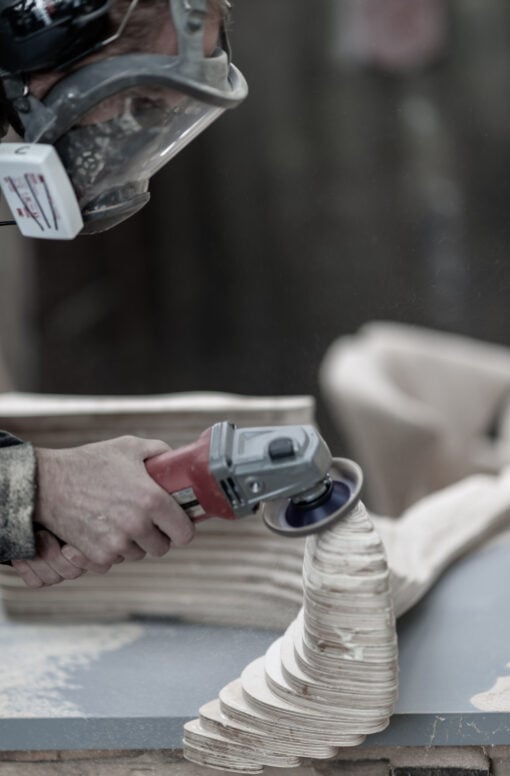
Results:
[92, 144]
[110, 163]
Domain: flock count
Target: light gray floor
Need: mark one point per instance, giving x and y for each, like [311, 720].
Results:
[453, 645]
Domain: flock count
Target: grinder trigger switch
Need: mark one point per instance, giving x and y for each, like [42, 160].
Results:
[281, 448]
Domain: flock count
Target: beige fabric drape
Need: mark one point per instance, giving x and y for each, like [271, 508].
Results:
[421, 409]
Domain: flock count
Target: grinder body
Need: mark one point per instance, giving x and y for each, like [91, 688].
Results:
[228, 471]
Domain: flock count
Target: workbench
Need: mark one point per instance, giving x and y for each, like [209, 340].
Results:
[453, 645]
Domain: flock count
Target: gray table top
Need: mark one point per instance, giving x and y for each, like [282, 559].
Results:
[132, 685]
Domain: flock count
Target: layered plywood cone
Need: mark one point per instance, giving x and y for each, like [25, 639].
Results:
[329, 681]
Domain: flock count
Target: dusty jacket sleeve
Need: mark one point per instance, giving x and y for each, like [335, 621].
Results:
[17, 498]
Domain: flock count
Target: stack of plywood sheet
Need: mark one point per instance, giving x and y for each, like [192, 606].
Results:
[178, 419]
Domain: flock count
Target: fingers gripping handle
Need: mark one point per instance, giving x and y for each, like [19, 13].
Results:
[185, 474]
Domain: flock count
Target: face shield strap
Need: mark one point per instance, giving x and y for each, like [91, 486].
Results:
[225, 42]
[8, 116]
[189, 17]
[22, 109]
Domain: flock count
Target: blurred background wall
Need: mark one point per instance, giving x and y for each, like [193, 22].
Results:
[18, 362]
[366, 177]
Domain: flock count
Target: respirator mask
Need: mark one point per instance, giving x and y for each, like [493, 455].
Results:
[90, 146]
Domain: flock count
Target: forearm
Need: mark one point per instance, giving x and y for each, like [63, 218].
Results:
[17, 498]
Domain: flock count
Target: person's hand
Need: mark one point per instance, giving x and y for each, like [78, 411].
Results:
[53, 562]
[100, 500]
[49, 566]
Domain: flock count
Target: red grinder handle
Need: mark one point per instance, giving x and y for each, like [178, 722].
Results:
[188, 467]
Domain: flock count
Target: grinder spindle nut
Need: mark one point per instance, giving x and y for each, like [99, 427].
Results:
[290, 518]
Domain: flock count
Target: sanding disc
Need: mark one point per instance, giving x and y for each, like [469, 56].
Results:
[291, 519]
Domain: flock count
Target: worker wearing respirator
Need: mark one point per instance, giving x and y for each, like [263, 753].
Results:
[108, 121]
[102, 94]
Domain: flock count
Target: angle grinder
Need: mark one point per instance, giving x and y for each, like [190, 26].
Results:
[229, 472]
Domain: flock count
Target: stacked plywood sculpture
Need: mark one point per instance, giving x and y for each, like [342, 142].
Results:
[329, 681]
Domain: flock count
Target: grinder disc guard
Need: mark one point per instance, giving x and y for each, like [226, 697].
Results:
[293, 519]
